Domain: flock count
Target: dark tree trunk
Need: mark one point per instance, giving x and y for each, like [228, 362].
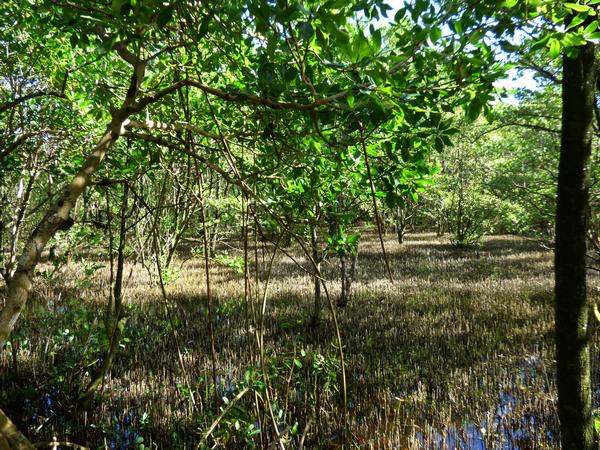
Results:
[401, 223]
[572, 349]
[345, 292]
[316, 278]
[347, 277]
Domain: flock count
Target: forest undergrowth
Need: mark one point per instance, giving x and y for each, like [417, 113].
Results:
[457, 353]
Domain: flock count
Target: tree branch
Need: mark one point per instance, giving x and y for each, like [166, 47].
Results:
[545, 73]
[20, 140]
[237, 97]
[177, 126]
[41, 93]
[516, 124]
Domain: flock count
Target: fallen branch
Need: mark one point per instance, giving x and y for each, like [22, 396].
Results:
[235, 399]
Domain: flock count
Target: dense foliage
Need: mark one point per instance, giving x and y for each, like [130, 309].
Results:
[141, 133]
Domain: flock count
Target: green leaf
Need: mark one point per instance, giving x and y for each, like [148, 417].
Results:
[474, 109]
[125, 8]
[116, 6]
[435, 34]
[376, 41]
[590, 28]
[400, 14]
[446, 140]
[419, 7]
[577, 20]
[305, 30]
[573, 40]
[554, 45]
[288, 14]
[204, 26]
[540, 43]
[341, 36]
[577, 7]
[510, 3]
[458, 28]
[594, 36]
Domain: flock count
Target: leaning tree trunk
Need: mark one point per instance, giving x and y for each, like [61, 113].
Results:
[23, 195]
[57, 218]
[10, 437]
[572, 348]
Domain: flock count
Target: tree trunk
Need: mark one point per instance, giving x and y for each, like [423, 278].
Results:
[401, 223]
[20, 284]
[347, 276]
[23, 197]
[10, 437]
[571, 313]
[57, 218]
[343, 300]
[316, 278]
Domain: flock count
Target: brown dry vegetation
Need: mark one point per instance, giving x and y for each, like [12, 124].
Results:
[457, 353]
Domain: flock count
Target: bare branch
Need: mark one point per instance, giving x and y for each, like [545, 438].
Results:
[545, 73]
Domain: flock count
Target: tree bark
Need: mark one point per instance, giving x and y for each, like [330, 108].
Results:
[571, 311]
